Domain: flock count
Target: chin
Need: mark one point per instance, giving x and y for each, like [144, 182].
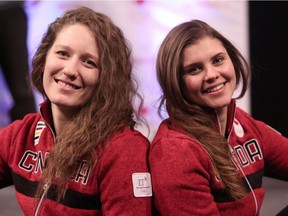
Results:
[66, 105]
[219, 106]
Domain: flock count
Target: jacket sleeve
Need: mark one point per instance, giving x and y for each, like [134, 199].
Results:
[5, 143]
[181, 174]
[275, 151]
[123, 157]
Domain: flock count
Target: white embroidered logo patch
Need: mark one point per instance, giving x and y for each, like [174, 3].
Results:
[238, 128]
[142, 186]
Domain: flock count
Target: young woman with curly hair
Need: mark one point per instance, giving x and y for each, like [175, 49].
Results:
[81, 154]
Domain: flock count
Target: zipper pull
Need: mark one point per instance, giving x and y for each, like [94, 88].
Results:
[45, 188]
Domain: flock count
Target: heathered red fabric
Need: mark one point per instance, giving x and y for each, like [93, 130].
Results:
[105, 190]
[183, 178]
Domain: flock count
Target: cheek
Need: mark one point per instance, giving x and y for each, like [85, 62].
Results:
[192, 88]
[231, 75]
[91, 79]
[53, 65]
[46, 80]
[229, 71]
[192, 85]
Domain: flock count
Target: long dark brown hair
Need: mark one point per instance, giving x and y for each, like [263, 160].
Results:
[111, 107]
[190, 117]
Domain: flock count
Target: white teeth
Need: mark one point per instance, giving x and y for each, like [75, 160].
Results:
[66, 85]
[216, 88]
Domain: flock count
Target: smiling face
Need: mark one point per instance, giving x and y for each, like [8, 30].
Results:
[71, 70]
[209, 74]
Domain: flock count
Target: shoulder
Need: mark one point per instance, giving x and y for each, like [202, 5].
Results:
[18, 132]
[22, 126]
[129, 137]
[250, 123]
[170, 142]
[123, 148]
[166, 130]
[242, 113]
[127, 142]
[174, 153]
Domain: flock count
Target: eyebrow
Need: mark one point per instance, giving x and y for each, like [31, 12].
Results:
[89, 55]
[185, 70]
[187, 67]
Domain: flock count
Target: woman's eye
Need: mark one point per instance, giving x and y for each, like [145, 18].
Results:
[218, 60]
[91, 63]
[62, 53]
[194, 69]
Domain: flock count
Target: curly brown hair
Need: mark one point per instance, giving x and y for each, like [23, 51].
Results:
[190, 117]
[111, 107]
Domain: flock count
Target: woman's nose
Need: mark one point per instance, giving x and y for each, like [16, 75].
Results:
[211, 73]
[71, 69]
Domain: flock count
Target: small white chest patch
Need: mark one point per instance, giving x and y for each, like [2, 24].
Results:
[142, 186]
[238, 128]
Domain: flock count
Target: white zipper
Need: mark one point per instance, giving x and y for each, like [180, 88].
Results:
[238, 165]
[218, 123]
[236, 161]
[41, 199]
[45, 187]
[50, 128]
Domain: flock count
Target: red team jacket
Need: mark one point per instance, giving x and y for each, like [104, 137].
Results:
[183, 178]
[119, 185]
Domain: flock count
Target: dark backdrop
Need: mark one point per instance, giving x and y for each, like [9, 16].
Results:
[268, 29]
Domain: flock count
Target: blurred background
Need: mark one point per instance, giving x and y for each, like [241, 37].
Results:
[257, 28]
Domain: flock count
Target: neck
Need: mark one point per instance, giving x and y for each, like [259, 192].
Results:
[222, 117]
[62, 116]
